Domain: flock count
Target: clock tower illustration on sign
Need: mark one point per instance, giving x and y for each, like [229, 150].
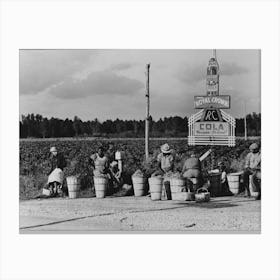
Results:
[212, 78]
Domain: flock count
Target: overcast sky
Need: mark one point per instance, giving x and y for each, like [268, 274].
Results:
[110, 84]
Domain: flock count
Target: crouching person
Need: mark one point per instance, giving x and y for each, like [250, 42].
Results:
[253, 167]
[116, 179]
[56, 175]
[192, 173]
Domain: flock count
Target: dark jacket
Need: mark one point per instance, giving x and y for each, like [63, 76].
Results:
[57, 161]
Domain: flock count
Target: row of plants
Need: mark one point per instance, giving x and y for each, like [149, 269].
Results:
[34, 158]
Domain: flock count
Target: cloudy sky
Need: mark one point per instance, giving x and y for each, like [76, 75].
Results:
[110, 84]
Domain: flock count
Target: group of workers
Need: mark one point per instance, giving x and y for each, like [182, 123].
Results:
[103, 165]
[99, 161]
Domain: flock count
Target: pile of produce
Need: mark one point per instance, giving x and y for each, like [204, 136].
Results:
[138, 173]
[176, 175]
[100, 175]
[156, 175]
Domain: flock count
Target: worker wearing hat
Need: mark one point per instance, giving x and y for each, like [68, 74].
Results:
[57, 159]
[55, 179]
[253, 167]
[166, 161]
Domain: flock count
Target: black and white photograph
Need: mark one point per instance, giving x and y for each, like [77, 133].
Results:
[139, 139]
[134, 140]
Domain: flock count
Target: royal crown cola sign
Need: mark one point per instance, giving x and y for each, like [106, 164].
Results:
[211, 129]
[218, 102]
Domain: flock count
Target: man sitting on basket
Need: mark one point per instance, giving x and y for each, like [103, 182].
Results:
[166, 163]
[101, 168]
[253, 167]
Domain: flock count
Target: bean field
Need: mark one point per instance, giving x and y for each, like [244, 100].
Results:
[34, 164]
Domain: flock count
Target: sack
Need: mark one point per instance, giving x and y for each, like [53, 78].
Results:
[56, 176]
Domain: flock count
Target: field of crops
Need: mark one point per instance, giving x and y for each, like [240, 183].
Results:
[34, 158]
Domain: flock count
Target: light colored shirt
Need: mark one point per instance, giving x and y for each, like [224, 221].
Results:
[100, 163]
[223, 177]
[166, 162]
[253, 160]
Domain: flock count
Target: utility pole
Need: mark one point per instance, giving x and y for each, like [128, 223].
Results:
[245, 122]
[214, 54]
[147, 112]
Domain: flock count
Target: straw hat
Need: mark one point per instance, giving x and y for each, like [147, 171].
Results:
[165, 148]
[53, 149]
[254, 146]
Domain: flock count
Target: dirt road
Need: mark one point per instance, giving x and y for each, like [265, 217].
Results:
[131, 214]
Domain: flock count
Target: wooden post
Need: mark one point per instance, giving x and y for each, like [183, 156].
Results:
[245, 122]
[147, 113]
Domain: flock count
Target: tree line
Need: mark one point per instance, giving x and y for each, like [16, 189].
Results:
[37, 126]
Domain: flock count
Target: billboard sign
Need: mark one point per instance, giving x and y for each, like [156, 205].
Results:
[211, 115]
[211, 129]
[218, 102]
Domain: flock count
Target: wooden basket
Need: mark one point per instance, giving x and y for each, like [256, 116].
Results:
[73, 185]
[138, 185]
[233, 182]
[202, 195]
[155, 184]
[100, 185]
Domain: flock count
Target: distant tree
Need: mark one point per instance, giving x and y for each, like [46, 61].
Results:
[44, 127]
[39, 126]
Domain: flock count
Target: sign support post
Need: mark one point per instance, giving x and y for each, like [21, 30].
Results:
[147, 113]
[245, 122]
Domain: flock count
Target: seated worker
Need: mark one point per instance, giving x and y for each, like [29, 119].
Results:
[192, 169]
[56, 175]
[166, 160]
[253, 167]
